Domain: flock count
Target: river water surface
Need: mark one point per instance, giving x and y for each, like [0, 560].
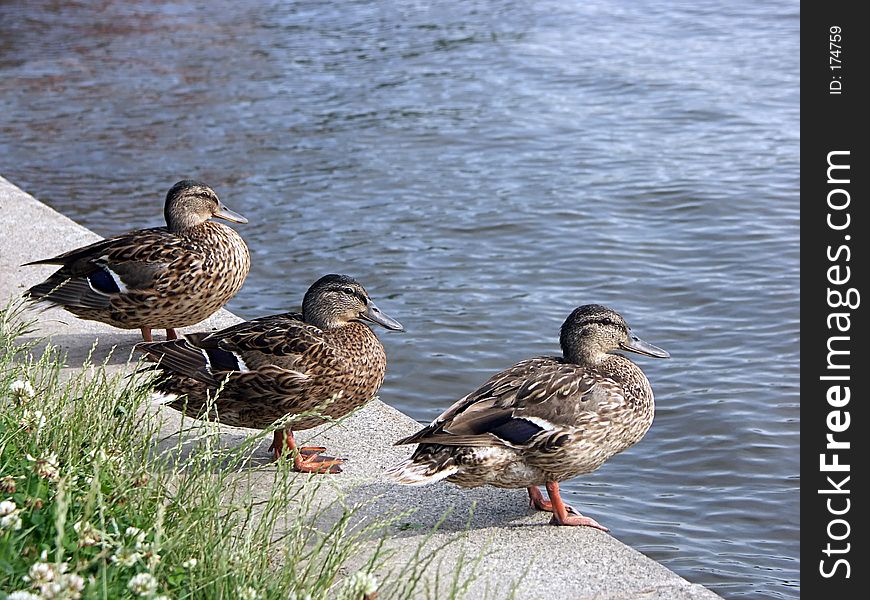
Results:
[482, 167]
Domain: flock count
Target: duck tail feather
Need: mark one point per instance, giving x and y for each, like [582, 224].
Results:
[427, 465]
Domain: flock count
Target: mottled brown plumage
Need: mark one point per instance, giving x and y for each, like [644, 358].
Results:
[308, 367]
[158, 278]
[544, 419]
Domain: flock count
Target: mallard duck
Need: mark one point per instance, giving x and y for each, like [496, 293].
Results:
[317, 365]
[545, 419]
[158, 278]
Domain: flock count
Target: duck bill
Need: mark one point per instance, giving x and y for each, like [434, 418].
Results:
[229, 215]
[635, 344]
[374, 314]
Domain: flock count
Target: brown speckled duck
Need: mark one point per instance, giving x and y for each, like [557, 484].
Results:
[544, 419]
[320, 364]
[158, 278]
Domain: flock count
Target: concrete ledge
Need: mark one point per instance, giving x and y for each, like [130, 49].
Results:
[560, 562]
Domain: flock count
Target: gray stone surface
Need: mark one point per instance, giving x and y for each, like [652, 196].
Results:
[517, 546]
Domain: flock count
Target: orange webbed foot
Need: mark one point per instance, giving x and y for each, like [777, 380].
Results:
[562, 513]
[317, 464]
[306, 459]
[538, 502]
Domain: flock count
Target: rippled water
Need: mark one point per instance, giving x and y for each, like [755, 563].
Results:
[482, 167]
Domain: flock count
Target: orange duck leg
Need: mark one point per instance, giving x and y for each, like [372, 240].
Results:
[306, 459]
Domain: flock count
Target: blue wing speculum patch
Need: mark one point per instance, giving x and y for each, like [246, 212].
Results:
[516, 430]
[102, 281]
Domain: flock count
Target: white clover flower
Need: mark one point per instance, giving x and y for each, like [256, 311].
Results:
[247, 593]
[190, 563]
[32, 420]
[359, 584]
[46, 467]
[66, 587]
[137, 539]
[53, 581]
[7, 507]
[7, 484]
[74, 584]
[126, 557]
[52, 590]
[23, 595]
[12, 522]
[40, 573]
[143, 584]
[153, 558]
[160, 597]
[368, 583]
[88, 534]
[21, 390]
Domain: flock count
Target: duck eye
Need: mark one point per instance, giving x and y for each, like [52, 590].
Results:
[348, 290]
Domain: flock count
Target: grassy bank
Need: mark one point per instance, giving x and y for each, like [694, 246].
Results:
[95, 504]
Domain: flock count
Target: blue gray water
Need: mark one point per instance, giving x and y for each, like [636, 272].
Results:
[483, 167]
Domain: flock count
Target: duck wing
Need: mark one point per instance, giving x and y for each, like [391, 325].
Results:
[89, 276]
[283, 335]
[534, 401]
[267, 343]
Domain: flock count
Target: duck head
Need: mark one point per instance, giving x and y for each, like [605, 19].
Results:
[336, 300]
[191, 203]
[592, 331]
